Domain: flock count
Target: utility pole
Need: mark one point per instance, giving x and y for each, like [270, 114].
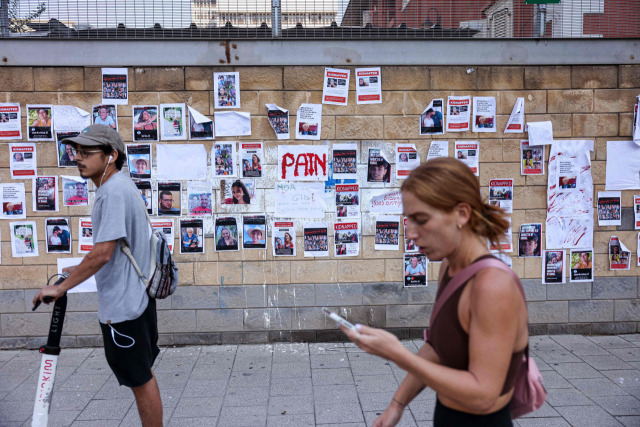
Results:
[276, 19]
[4, 18]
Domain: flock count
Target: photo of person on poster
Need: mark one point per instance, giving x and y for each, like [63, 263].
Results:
[226, 239]
[379, 170]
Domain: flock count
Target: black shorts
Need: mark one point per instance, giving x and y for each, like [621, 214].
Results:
[131, 361]
[444, 416]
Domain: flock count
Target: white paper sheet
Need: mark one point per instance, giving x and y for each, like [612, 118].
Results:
[283, 238]
[75, 191]
[227, 90]
[105, 114]
[501, 194]
[299, 200]
[378, 166]
[279, 120]
[200, 198]
[316, 241]
[254, 232]
[40, 122]
[10, 121]
[191, 235]
[68, 118]
[23, 160]
[173, 122]
[347, 200]
[251, 158]
[553, 266]
[303, 162]
[223, 159]
[581, 265]
[200, 126]
[438, 149]
[484, 114]
[57, 235]
[636, 122]
[407, 159]
[166, 225]
[145, 123]
[237, 191]
[540, 133]
[506, 241]
[232, 123]
[24, 239]
[85, 235]
[387, 233]
[88, 285]
[45, 194]
[531, 159]
[432, 120]
[414, 271]
[309, 121]
[346, 239]
[368, 86]
[335, 89]
[458, 113]
[609, 208]
[13, 201]
[181, 162]
[387, 203]
[623, 165]
[468, 152]
[619, 255]
[638, 250]
[345, 161]
[115, 87]
[636, 211]
[515, 124]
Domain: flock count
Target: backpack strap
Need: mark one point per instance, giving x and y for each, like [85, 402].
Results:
[463, 277]
[127, 251]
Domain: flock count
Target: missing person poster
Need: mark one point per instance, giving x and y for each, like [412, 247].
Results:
[58, 235]
[345, 161]
[335, 89]
[458, 113]
[146, 192]
[237, 191]
[432, 118]
[309, 121]
[167, 227]
[13, 201]
[619, 255]
[106, 115]
[254, 232]
[226, 234]
[45, 194]
[501, 194]
[484, 114]
[66, 152]
[139, 160]
[39, 123]
[387, 237]
[227, 89]
[23, 162]
[346, 239]
[638, 250]
[567, 174]
[303, 162]
[200, 198]
[438, 149]
[279, 120]
[409, 244]
[531, 158]
[172, 122]
[251, 156]
[368, 86]
[529, 240]
[169, 198]
[378, 167]
[283, 234]
[67, 118]
[636, 212]
[191, 235]
[10, 118]
[468, 152]
[386, 203]
[516, 119]
[316, 240]
[200, 126]
[85, 238]
[581, 265]
[299, 200]
[224, 159]
[407, 159]
[24, 239]
[609, 208]
[347, 200]
[75, 191]
[115, 87]
[553, 266]
[145, 123]
[415, 270]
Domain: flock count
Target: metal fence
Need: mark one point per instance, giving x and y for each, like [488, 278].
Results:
[328, 19]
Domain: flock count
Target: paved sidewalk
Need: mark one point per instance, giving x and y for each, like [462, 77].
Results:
[592, 381]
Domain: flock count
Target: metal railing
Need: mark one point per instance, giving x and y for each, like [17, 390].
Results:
[309, 19]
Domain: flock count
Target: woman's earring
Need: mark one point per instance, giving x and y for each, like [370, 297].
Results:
[459, 227]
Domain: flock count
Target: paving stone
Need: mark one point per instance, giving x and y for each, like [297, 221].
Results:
[338, 413]
[297, 420]
[624, 378]
[14, 412]
[605, 362]
[576, 370]
[291, 370]
[545, 411]
[375, 401]
[557, 356]
[553, 379]
[291, 405]
[566, 397]
[246, 396]
[198, 407]
[204, 388]
[249, 416]
[289, 387]
[543, 422]
[619, 405]
[406, 420]
[607, 342]
[329, 361]
[336, 376]
[379, 383]
[629, 421]
[592, 387]
[627, 354]
[335, 393]
[114, 409]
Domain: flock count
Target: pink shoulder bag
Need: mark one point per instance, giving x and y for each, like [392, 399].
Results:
[529, 393]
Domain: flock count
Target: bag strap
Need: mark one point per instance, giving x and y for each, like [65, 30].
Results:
[467, 273]
[125, 248]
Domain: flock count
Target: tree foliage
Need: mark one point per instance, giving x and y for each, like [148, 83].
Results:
[19, 23]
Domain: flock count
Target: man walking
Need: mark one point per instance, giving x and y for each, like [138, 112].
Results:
[127, 315]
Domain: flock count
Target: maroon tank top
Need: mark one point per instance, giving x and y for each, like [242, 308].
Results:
[451, 342]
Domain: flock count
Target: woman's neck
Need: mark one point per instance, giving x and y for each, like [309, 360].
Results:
[471, 247]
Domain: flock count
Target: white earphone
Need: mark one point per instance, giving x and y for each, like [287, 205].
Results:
[110, 157]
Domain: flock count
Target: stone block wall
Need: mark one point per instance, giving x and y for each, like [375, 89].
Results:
[251, 296]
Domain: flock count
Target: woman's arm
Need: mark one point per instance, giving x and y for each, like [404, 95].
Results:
[494, 313]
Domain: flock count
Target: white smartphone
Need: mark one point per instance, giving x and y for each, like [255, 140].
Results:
[340, 320]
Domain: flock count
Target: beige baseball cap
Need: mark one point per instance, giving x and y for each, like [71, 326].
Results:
[96, 136]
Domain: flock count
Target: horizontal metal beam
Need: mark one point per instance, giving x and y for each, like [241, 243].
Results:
[49, 52]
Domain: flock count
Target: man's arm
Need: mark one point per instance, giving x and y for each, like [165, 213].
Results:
[90, 265]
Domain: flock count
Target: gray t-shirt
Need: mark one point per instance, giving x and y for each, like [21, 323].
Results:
[118, 213]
